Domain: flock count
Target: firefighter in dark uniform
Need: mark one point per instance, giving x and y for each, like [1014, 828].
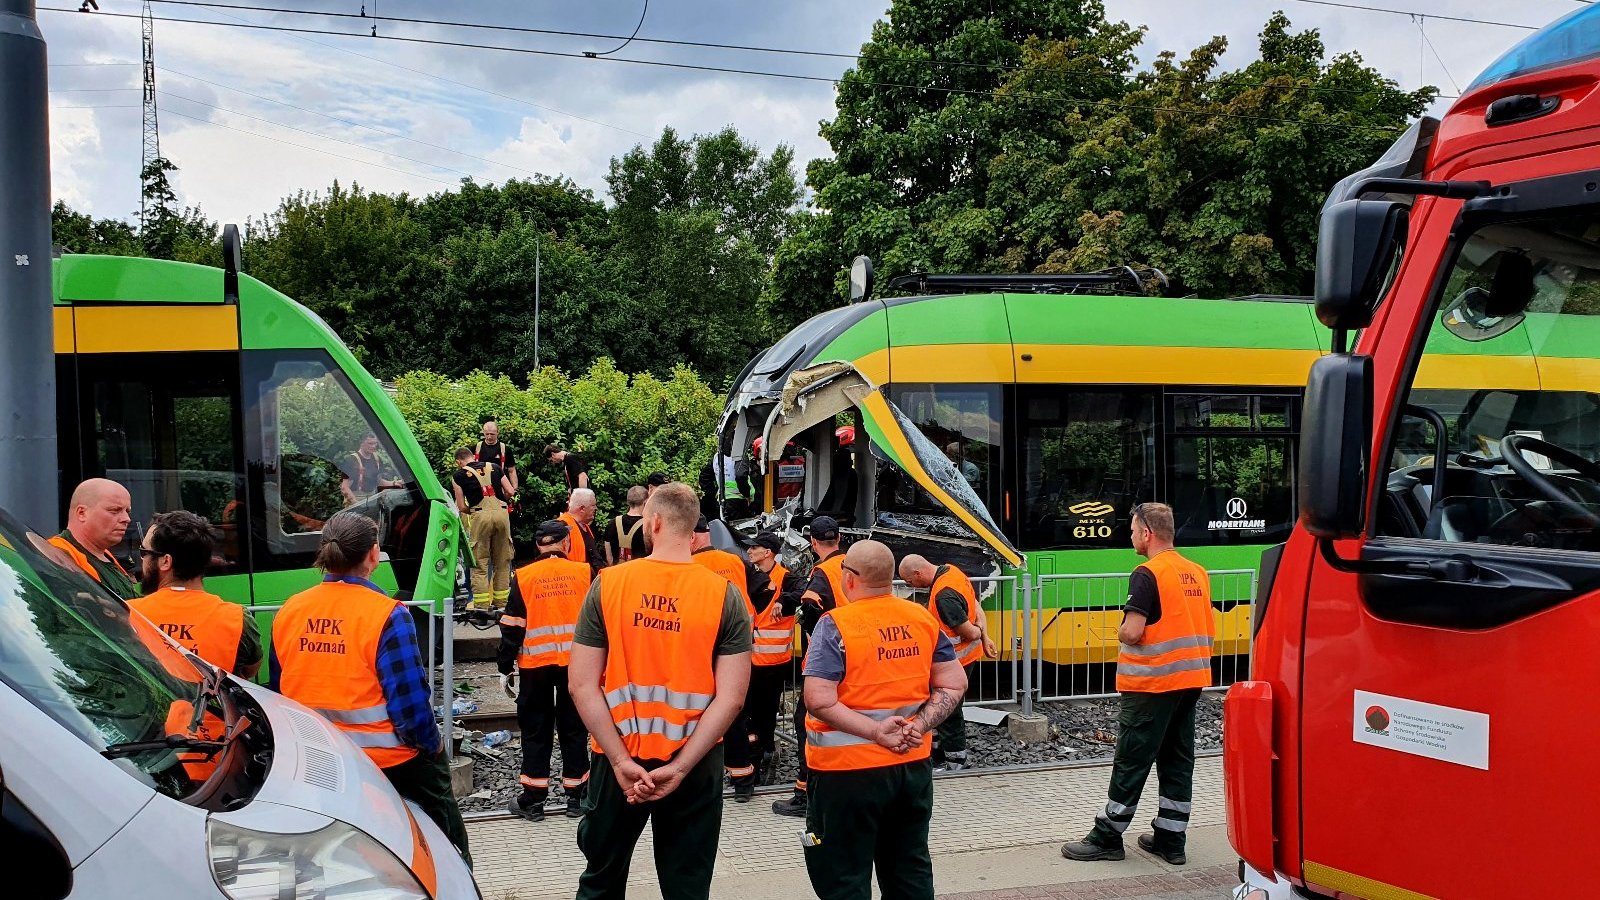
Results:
[482, 494]
[824, 590]
[535, 649]
[879, 676]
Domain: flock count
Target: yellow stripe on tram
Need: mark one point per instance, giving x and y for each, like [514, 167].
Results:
[1094, 364]
[146, 329]
[877, 409]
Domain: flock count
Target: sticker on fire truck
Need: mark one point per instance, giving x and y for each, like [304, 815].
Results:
[1454, 735]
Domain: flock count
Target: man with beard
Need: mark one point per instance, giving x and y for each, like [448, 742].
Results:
[176, 551]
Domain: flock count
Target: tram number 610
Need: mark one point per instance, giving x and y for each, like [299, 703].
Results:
[1091, 531]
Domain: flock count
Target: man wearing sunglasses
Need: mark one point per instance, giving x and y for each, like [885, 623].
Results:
[1165, 661]
[177, 549]
[880, 675]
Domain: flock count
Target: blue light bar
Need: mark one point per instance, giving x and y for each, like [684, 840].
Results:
[1571, 38]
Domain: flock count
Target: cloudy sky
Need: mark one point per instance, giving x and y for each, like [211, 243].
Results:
[250, 115]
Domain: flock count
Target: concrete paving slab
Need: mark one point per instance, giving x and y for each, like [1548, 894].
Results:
[989, 833]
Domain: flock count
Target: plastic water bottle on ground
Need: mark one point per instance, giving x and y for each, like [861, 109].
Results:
[462, 706]
[496, 738]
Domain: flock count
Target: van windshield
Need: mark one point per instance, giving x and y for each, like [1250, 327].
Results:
[74, 651]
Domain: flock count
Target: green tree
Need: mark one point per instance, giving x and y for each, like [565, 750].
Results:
[166, 232]
[694, 230]
[1040, 146]
[78, 232]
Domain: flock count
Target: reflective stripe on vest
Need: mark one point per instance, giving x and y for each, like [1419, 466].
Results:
[204, 624]
[552, 590]
[888, 662]
[772, 631]
[1175, 652]
[950, 577]
[327, 641]
[846, 739]
[661, 621]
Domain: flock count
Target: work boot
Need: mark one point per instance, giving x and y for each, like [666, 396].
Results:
[533, 812]
[1173, 855]
[953, 761]
[1088, 851]
[574, 807]
[744, 789]
[794, 806]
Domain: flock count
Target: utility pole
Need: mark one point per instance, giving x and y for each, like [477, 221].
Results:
[152, 128]
[536, 243]
[27, 342]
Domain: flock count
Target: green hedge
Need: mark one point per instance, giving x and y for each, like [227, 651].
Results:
[625, 426]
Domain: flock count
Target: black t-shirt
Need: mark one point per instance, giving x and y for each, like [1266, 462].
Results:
[497, 454]
[1144, 596]
[619, 526]
[573, 466]
[470, 488]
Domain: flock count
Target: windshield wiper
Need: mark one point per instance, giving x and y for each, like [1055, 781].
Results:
[170, 742]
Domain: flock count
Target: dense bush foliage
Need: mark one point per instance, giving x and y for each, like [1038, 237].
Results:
[625, 426]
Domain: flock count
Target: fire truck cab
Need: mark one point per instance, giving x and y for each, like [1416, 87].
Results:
[1425, 692]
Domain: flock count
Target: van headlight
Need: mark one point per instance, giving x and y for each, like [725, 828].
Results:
[336, 861]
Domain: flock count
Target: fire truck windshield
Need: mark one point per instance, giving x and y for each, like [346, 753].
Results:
[1508, 369]
[1567, 40]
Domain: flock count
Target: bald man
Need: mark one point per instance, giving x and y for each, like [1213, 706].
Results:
[954, 602]
[879, 675]
[97, 520]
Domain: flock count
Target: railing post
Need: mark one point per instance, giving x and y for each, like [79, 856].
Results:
[1027, 644]
[449, 682]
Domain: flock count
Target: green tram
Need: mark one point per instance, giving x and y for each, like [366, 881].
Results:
[203, 389]
[1012, 422]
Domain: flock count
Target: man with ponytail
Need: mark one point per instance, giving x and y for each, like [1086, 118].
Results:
[349, 651]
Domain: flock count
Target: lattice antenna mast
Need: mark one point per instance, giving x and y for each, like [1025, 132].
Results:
[152, 130]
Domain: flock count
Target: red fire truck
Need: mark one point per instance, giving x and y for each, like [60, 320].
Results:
[1424, 707]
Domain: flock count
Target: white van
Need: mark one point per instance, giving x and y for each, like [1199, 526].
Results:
[114, 785]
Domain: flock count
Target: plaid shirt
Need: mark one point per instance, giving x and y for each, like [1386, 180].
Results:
[403, 675]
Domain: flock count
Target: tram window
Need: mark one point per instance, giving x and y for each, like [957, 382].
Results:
[1510, 351]
[1234, 412]
[171, 437]
[319, 450]
[1087, 457]
[963, 421]
[1227, 488]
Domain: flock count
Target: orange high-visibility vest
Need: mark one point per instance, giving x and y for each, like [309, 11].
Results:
[773, 638]
[832, 568]
[1175, 652]
[327, 643]
[731, 567]
[662, 620]
[552, 590]
[956, 580]
[82, 559]
[888, 662]
[578, 549]
[205, 624]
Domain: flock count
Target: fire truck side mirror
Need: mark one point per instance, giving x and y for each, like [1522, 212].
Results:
[1358, 244]
[1335, 437]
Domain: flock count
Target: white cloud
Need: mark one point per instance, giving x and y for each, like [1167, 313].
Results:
[233, 174]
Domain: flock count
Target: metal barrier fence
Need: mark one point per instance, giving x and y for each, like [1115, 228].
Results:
[1057, 637]
[432, 649]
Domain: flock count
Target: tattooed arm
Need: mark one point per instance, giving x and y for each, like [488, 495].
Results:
[946, 689]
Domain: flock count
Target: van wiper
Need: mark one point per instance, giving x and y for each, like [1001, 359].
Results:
[170, 742]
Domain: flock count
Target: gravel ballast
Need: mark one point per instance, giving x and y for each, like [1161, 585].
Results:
[1081, 731]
